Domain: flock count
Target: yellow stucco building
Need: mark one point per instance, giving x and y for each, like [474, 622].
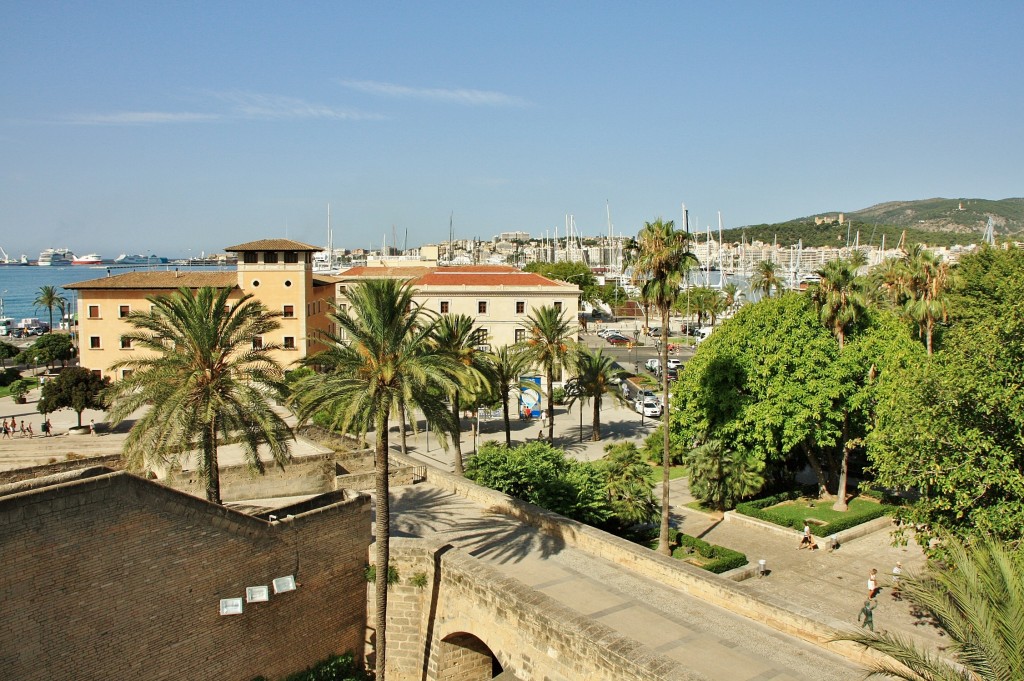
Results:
[277, 272]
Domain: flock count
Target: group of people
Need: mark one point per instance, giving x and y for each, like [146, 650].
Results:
[10, 428]
[866, 615]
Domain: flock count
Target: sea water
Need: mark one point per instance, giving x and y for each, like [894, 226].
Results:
[19, 285]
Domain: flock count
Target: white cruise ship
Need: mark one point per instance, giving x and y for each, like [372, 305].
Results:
[55, 256]
[125, 259]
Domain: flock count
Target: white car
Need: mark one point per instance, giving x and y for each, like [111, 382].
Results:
[674, 363]
[648, 406]
[654, 364]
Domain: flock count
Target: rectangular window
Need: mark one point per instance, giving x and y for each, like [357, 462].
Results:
[250, 257]
[481, 307]
[520, 306]
[125, 373]
[270, 257]
[97, 373]
[520, 335]
[480, 337]
[257, 343]
[291, 257]
[288, 312]
[445, 307]
[94, 312]
[289, 342]
[558, 306]
[126, 343]
[94, 342]
[123, 311]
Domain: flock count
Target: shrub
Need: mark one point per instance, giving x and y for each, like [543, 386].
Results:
[719, 558]
[418, 580]
[759, 508]
[336, 668]
[558, 395]
[371, 574]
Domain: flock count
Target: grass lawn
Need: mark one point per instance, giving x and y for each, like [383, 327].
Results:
[6, 391]
[814, 509]
[673, 473]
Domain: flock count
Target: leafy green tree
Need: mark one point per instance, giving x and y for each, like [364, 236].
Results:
[766, 278]
[381, 363]
[661, 263]
[504, 371]
[977, 598]
[950, 430]
[457, 335]
[772, 383]
[48, 349]
[203, 382]
[541, 474]
[7, 351]
[74, 388]
[577, 273]
[594, 371]
[629, 486]
[20, 388]
[721, 477]
[49, 297]
[550, 342]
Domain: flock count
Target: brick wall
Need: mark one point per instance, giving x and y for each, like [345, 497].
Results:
[110, 461]
[307, 475]
[115, 577]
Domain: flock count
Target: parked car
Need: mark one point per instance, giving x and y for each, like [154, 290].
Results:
[654, 332]
[617, 340]
[653, 365]
[674, 363]
[648, 406]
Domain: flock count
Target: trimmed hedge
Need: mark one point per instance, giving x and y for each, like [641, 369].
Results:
[338, 668]
[720, 559]
[759, 508]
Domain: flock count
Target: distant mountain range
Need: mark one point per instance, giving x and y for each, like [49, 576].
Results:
[939, 222]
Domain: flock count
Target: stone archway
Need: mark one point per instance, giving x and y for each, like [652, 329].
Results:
[464, 657]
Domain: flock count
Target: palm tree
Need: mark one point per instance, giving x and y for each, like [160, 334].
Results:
[49, 297]
[456, 335]
[766, 278]
[382, 361]
[204, 380]
[629, 485]
[731, 296]
[505, 368]
[928, 278]
[662, 261]
[593, 377]
[720, 477]
[839, 297]
[977, 600]
[550, 341]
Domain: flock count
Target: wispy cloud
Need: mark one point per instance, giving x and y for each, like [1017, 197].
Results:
[453, 95]
[140, 118]
[233, 105]
[273, 107]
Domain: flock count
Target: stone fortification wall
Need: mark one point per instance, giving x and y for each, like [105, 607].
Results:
[308, 475]
[112, 461]
[430, 628]
[116, 577]
[688, 578]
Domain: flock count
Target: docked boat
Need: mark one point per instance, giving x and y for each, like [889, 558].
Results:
[8, 260]
[91, 259]
[55, 256]
[138, 259]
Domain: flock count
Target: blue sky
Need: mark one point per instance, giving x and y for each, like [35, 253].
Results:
[190, 126]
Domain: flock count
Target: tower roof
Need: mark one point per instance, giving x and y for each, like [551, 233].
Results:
[272, 245]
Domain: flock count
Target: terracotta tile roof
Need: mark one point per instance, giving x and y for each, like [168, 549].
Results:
[158, 280]
[273, 245]
[463, 275]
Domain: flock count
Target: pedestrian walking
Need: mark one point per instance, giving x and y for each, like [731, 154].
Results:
[6, 433]
[22, 428]
[873, 583]
[92, 426]
[805, 538]
[897, 572]
[30, 433]
[867, 614]
[46, 428]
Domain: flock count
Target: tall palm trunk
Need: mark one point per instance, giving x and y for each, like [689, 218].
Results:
[844, 463]
[666, 459]
[551, 405]
[457, 433]
[210, 461]
[383, 541]
[596, 435]
[508, 423]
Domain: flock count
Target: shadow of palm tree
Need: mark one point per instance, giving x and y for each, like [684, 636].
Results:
[425, 511]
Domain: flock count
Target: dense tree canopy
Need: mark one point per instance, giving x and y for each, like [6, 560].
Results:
[75, 388]
[952, 430]
[577, 273]
[48, 349]
[773, 387]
